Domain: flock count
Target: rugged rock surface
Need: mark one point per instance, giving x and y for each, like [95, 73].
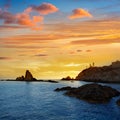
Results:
[93, 93]
[118, 102]
[28, 77]
[101, 74]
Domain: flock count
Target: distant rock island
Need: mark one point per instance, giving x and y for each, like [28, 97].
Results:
[109, 74]
[92, 93]
[67, 78]
[28, 77]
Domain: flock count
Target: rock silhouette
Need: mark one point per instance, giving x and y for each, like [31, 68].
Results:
[67, 78]
[28, 77]
[101, 74]
[93, 93]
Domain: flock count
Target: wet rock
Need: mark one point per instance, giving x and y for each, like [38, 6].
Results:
[93, 93]
[64, 89]
[118, 102]
[52, 81]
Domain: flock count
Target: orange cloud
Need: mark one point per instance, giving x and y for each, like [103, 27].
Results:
[41, 55]
[44, 9]
[21, 19]
[37, 19]
[25, 18]
[79, 13]
[95, 42]
[5, 58]
[88, 50]
[8, 27]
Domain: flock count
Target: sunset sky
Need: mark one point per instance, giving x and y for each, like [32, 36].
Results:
[57, 38]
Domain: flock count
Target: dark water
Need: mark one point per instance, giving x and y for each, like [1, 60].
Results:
[38, 101]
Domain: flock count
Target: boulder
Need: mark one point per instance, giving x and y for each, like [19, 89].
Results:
[93, 93]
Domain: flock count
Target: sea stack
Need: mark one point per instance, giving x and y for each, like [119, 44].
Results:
[28, 77]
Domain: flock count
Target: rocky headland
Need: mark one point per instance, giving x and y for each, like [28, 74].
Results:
[92, 93]
[109, 74]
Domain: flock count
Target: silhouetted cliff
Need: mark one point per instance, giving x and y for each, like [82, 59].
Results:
[109, 73]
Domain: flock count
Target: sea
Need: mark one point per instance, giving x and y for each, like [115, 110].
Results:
[39, 101]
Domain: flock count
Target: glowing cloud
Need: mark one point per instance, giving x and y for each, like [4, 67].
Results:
[44, 9]
[5, 58]
[25, 18]
[21, 19]
[79, 13]
[7, 17]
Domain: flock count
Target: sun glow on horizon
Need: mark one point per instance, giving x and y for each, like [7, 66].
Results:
[54, 41]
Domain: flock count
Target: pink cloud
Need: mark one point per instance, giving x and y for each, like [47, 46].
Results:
[44, 9]
[7, 17]
[37, 19]
[26, 19]
[79, 13]
[23, 19]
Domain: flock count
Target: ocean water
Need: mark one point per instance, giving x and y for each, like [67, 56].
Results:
[39, 101]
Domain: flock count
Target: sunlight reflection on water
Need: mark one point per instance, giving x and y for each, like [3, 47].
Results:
[39, 101]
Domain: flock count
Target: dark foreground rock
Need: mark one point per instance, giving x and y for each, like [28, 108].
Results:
[64, 88]
[118, 102]
[93, 93]
[28, 77]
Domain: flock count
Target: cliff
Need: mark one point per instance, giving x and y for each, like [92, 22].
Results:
[109, 73]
